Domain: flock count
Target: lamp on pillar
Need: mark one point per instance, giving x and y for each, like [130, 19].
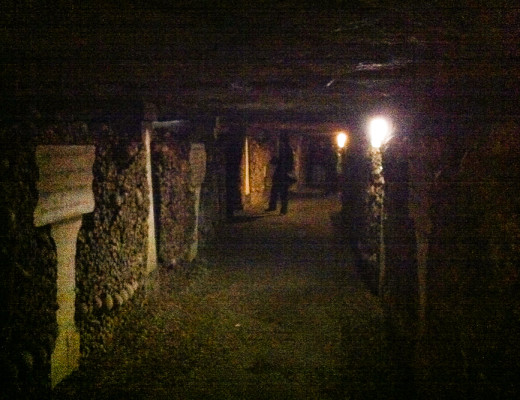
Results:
[379, 131]
[341, 142]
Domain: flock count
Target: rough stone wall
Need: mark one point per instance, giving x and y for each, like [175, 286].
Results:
[262, 149]
[230, 136]
[213, 196]
[361, 198]
[400, 280]
[260, 154]
[28, 271]
[451, 234]
[472, 330]
[112, 247]
[173, 197]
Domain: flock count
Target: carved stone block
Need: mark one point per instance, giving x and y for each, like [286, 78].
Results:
[64, 195]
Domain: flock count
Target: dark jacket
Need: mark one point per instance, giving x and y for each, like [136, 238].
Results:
[284, 164]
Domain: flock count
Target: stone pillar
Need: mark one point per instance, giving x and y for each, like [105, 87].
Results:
[197, 173]
[65, 194]
[419, 212]
[299, 164]
[65, 357]
[376, 210]
[151, 259]
[247, 169]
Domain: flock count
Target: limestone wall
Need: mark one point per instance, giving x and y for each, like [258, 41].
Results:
[261, 150]
[28, 271]
[173, 196]
[472, 326]
[213, 197]
[112, 247]
[112, 271]
[450, 251]
[360, 211]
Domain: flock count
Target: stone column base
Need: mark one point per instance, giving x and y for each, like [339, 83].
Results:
[65, 357]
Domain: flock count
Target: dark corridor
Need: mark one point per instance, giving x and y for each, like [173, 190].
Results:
[276, 311]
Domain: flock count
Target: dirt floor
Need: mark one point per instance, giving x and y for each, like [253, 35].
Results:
[274, 312]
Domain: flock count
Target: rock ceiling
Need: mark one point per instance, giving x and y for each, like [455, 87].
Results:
[279, 60]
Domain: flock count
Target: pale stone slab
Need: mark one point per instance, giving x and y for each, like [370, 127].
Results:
[198, 173]
[197, 164]
[65, 183]
[194, 247]
[64, 195]
[66, 354]
[151, 260]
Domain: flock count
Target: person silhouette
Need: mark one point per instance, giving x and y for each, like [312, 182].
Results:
[284, 165]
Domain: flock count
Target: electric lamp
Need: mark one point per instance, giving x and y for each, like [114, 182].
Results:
[379, 131]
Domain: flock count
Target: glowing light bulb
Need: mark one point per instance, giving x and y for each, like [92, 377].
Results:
[379, 131]
[341, 139]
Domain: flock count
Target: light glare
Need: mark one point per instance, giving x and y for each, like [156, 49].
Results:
[341, 139]
[379, 130]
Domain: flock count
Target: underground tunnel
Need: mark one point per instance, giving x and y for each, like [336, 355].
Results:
[138, 258]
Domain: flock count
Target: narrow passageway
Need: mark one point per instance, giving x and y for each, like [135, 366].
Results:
[273, 313]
